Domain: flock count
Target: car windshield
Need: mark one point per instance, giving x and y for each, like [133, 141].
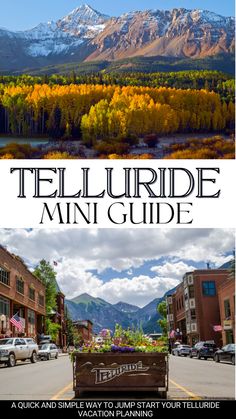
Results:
[45, 346]
[231, 347]
[6, 341]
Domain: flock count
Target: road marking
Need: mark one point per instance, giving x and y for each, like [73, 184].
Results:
[63, 391]
[69, 387]
[185, 390]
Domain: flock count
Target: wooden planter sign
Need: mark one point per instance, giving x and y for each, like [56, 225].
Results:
[121, 372]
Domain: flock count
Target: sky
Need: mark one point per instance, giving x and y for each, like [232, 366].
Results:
[25, 14]
[130, 265]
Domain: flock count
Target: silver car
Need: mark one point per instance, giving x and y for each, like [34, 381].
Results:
[181, 350]
[48, 351]
[17, 349]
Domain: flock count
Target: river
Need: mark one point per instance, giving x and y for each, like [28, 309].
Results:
[34, 142]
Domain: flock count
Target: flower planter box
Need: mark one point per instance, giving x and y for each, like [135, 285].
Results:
[116, 372]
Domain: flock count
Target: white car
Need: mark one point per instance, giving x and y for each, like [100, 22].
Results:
[181, 350]
[48, 351]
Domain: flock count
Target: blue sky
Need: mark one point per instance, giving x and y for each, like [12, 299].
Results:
[130, 265]
[25, 14]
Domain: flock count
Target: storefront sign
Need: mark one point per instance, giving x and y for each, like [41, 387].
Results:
[228, 324]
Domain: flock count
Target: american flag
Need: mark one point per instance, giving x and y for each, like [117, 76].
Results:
[217, 328]
[17, 322]
[172, 334]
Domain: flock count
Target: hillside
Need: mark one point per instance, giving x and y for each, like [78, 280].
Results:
[224, 62]
[106, 315]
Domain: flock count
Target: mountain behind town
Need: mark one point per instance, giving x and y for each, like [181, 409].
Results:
[86, 35]
[105, 315]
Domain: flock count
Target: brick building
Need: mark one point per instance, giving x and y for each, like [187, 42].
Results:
[226, 294]
[176, 314]
[193, 309]
[85, 329]
[20, 292]
[59, 318]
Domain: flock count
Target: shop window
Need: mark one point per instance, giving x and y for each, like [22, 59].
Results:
[31, 322]
[4, 306]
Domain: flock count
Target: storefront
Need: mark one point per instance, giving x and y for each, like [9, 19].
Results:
[228, 331]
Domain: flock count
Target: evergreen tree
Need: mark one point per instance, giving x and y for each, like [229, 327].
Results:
[162, 310]
[70, 330]
[47, 275]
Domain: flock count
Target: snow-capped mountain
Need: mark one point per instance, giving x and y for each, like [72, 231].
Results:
[80, 25]
[86, 34]
[177, 32]
[83, 19]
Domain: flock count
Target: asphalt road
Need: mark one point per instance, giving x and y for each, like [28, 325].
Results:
[41, 381]
[205, 379]
[189, 379]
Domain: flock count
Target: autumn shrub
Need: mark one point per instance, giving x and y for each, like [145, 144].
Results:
[202, 148]
[58, 155]
[19, 151]
[145, 156]
[229, 156]
[106, 148]
[202, 153]
[7, 156]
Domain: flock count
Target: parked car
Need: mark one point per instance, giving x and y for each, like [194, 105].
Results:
[181, 350]
[45, 339]
[203, 350]
[48, 351]
[227, 353]
[17, 349]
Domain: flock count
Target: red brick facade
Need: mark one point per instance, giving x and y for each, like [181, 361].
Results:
[59, 318]
[195, 320]
[20, 292]
[227, 309]
[85, 328]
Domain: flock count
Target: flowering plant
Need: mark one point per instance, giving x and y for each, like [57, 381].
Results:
[125, 341]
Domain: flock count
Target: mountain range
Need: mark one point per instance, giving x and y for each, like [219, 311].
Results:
[86, 35]
[105, 315]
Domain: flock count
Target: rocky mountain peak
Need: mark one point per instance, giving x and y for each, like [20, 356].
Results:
[88, 35]
[84, 14]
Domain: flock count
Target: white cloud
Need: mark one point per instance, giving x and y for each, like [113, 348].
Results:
[80, 251]
[74, 280]
[173, 269]
[138, 290]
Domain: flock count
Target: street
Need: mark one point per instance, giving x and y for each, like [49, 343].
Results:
[205, 379]
[40, 381]
[189, 379]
